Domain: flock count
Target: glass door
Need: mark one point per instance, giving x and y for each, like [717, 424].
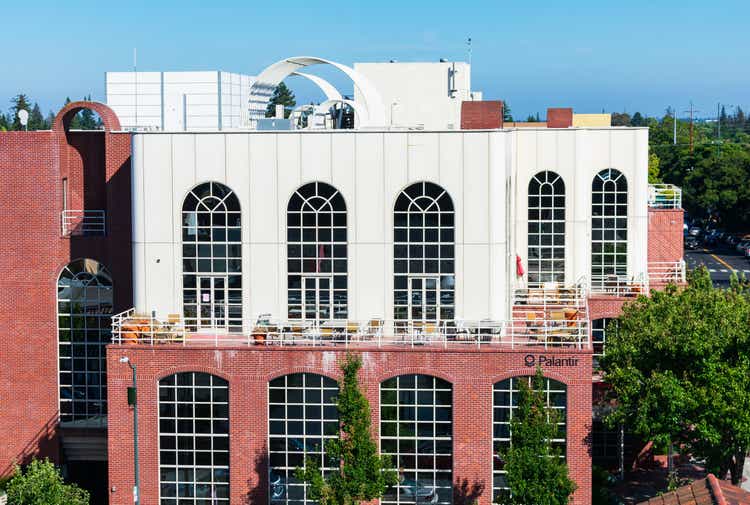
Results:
[212, 302]
[424, 299]
[317, 298]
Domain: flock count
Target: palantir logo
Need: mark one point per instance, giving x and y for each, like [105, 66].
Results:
[529, 360]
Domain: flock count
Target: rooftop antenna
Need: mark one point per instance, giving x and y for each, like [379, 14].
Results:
[135, 73]
[468, 43]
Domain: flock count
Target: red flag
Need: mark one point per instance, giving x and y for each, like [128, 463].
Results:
[519, 266]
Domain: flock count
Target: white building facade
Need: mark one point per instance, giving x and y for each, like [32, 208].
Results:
[380, 224]
[179, 101]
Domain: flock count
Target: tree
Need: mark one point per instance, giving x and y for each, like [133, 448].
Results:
[637, 120]
[362, 475]
[653, 169]
[507, 115]
[620, 119]
[36, 120]
[75, 122]
[535, 472]
[20, 102]
[42, 484]
[679, 371]
[282, 95]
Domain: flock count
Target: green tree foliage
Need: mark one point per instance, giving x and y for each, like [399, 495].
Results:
[620, 119]
[507, 113]
[535, 472]
[19, 102]
[42, 484]
[363, 474]
[679, 367]
[653, 169]
[282, 95]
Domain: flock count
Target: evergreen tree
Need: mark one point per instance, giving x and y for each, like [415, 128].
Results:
[36, 120]
[20, 102]
[620, 119]
[536, 474]
[637, 120]
[507, 115]
[282, 95]
[4, 123]
[75, 123]
[362, 475]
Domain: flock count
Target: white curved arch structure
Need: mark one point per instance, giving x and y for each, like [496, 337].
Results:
[326, 87]
[268, 79]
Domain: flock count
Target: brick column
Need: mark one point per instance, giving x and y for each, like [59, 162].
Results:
[472, 442]
[579, 439]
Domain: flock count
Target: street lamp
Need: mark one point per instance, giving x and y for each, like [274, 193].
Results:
[132, 400]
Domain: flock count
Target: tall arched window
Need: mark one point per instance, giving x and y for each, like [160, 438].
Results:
[424, 254]
[416, 432]
[317, 253]
[193, 439]
[302, 417]
[504, 403]
[546, 229]
[609, 227]
[84, 311]
[212, 258]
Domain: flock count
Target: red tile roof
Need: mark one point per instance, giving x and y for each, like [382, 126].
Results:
[708, 491]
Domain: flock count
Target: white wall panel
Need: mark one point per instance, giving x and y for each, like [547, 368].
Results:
[475, 221]
[315, 157]
[264, 221]
[210, 156]
[157, 184]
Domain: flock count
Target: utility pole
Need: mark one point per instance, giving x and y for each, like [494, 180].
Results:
[674, 126]
[718, 129]
[692, 111]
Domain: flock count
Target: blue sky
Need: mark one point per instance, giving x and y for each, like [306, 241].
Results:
[591, 55]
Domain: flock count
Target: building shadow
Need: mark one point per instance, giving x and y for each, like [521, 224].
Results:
[258, 487]
[467, 493]
[44, 441]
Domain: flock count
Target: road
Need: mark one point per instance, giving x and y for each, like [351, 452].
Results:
[721, 261]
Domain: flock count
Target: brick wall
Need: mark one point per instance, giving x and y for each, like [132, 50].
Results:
[559, 117]
[481, 115]
[665, 234]
[33, 252]
[248, 371]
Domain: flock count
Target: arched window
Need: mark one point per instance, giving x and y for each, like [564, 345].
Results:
[212, 258]
[416, 432]
[193, 439]
[546, 229]
[302, 416]
[317, 253]
[424, 254]
[504, 403]
[609, 227]
[84, 311]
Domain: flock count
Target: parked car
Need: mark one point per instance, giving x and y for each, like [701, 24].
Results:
[691, 242]
[742, 245]
[695, 231]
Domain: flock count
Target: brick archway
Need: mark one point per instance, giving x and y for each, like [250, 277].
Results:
[66, 114]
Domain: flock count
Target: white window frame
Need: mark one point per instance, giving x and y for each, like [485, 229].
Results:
[546, 229]
[609, 228]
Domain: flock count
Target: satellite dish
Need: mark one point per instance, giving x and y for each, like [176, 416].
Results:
[23, 116]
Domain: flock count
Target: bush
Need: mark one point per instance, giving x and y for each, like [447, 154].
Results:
[42, 484]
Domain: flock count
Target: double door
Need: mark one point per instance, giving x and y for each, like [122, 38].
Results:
[424, 299]
[212, 302]
[317, 298]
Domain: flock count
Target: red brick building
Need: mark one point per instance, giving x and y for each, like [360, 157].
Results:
[224, 418]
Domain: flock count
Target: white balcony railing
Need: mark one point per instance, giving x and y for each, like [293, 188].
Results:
[619, 285]
[554, 329]
[664, 196]
[84, 222]
[666, 272]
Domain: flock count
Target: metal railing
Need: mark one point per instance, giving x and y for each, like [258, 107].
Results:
[83, 222]
[552, 294]
[664, 196]
[666, 272]
[619, 285]
[551, 329]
